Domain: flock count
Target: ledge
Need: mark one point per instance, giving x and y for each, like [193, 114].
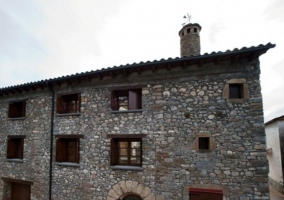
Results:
[124, 167]
[126, 111]
[69, 164]
[17, 118]
[67, 114]
[14, 160]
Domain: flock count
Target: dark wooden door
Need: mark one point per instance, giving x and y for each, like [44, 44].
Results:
[203, 194]
[20, 191]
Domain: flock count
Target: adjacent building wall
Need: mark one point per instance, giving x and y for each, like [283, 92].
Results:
[274, 139]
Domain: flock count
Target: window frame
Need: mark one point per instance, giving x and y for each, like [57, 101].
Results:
[63, 102]
[245, 94]
[114, 149]
[15, 110]
[134, 98]
[15, 147]
[63, 148]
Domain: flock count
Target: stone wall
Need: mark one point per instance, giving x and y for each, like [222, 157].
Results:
[178, 106]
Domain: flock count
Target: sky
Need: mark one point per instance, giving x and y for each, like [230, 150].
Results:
[42, 39]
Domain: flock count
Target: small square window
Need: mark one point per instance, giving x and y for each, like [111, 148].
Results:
[126, 99]
[235, 91]
[68, 103]
[67, 150]
[15, 148]
[204, 143]
[127, 152]
[17, 109]
[188, 30]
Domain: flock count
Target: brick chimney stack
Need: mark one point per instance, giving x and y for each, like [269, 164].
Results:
[190, 40]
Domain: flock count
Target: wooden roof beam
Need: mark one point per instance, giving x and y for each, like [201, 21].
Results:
[138, 70]
[235, 58]
[217, 60]
[124, 72]
[169, 67]
[200, 63]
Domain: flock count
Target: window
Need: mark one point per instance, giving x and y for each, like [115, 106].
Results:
[204, 143]
[195, 30]
[68, 103]
[17, 109]
[129, 99]
[188, 30]
[235, 91]
[15, 147]
[126, 151]
[67, 148]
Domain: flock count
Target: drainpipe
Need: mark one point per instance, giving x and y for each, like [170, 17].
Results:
[51, 140]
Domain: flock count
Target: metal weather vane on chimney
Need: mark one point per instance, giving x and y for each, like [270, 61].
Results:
[187, 17]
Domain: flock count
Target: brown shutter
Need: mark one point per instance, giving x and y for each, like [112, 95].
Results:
[79, 103]
[77, 150]
[21, 149]
[12, 110]
[134, 99]
[10, 148]
[114, 100]
[61, 149]
[60, 108]
[24, 109]
[114, 151]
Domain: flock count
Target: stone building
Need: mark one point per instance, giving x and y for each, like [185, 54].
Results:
[274, 130]
[173, 129]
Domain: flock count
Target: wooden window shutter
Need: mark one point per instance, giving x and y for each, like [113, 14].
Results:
[12, 110]
[134, 99]
[77, 151]
[61, 150]
[78, 103]
[24, 109]
[21, 147]
[60, 105]
[114, 101]
[10, 149]
[114, 151]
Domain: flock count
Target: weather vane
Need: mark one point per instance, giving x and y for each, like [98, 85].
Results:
[187, 17]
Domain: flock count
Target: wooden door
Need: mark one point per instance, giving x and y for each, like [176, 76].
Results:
[20, 191]
[203, 194]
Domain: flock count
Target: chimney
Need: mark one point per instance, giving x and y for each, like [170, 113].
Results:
[190, 40]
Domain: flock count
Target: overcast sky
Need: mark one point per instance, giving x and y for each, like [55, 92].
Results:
[42, 39]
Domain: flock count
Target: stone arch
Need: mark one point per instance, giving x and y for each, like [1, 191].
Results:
[125, 188]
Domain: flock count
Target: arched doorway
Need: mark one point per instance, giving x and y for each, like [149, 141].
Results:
[131, 197]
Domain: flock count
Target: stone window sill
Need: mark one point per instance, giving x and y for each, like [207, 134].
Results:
[17, 118]
[68, 164]
[14, 160]
[124, 167]
[126, 111]
[68, 114]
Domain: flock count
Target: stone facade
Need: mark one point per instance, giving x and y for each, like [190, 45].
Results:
[179, 105]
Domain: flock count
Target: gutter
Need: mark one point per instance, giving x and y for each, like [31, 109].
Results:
[51, 140]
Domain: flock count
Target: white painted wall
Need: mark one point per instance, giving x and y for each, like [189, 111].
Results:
[274, 157]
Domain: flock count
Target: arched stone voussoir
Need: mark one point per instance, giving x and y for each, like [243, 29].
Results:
[128, 187]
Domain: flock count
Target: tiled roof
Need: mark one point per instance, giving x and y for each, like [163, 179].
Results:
[245, 52]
